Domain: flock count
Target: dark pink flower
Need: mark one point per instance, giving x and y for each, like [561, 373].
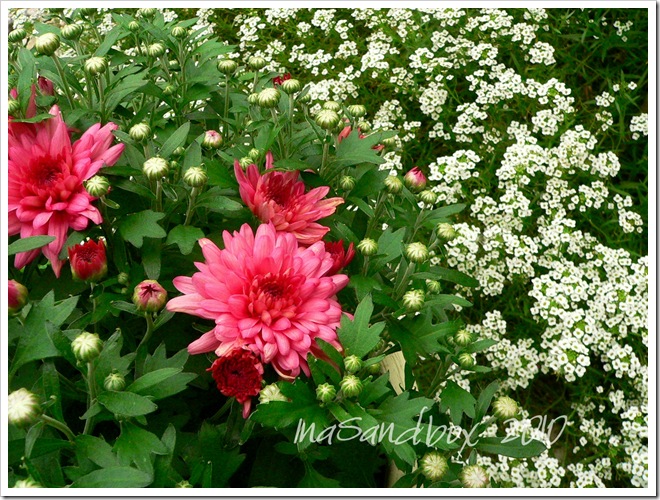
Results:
[265, 293]
[46, 86]
[278, 80]
[45, 182]
[280, 198]
[340, 257]
[238, 373]
[88, 261]
[17, 296]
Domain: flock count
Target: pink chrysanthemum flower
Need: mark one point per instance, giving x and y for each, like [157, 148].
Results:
[266, 294]
[46, 174]
[280, 198]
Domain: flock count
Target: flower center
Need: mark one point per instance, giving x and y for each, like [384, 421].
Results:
[273, 296]
[47, 175]
[277, 191]
[87, 254]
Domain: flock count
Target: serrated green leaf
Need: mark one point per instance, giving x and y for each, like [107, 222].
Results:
[136, 446]
[126, 404]
[420, 336]
[184, 237]
[29, 243]
[443, 301]
[353, 150]
[134, 228]
[114, 477]
[458, 401]
[356, 336]
[111, 359]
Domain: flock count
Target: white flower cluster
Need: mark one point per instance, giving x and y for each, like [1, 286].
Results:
[639, 124]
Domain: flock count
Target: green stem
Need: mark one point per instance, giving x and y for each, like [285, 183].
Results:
[377, 212]
[159, 195]
[401, 285]
[67, 90]
[226, 109]
[140, 352]
[99, 82]
[324, 159]
[56, 424]
[191, 204]
[91, 395]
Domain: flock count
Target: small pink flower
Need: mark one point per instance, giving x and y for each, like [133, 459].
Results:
[238, 374]
[280, 198]
[265, 293]
[17, 296]
[45, 182]
[88, 261]
[46, 86]
[278, 80]
[340, 257]
[149, 296]
[415, 179]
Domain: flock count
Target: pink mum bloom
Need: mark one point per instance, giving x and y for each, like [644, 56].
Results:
[266, 294]
[46, 174]
[280, 198]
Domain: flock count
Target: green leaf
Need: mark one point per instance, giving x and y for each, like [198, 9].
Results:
[159, 360]
[420, 336]
[484, 400]
[134, 228]
[440, 214]
[353, 150]
[511, 447]
[146, 382]
[184, 237]
[221, 463]
[481, 345]
[111, 360]
[126, 404]
[151, 257]
[178, 138]
[458, 401]
[26, 77]
[356, 336]
[51, 383]
[29, 243]
[440, 273]
[220, 204]
[135, 446]
[109, 39]
[444, 301]
[114, 477]
[175, 385]
[389, 247]
[96, 450]
[313, 479]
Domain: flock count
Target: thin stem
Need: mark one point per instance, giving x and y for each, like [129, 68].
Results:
[67, 90]
[99, 82]
[141, 353]
[56, 424]
[191, 204]
[324, 159]
[377, 211]
[91, 395]
[226, 109]
[159, 195]
[401, 285]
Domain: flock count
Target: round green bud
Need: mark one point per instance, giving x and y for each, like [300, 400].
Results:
[364, 127]
[368, 247]
[474, 476]
[505, 408]
[23, 408]
[393, 184]
[445, 231]
[433, 286]
[413, 300]
[332, 106]
[88, 11]
[179, 152]
[147, 13]
[156, 49]
[434, 466]
[417, 252]
[17, 35]
[245, 162]
[347, 182]
[97, 186]
[256, 63]
[123, 278]
[155, 168]
[86, 346]
[133, 26]
[114, 382]
[179, 32]
[327, 119]
[195, 177]
[389, 143]
[96, 65]
[13, 107]
[47, 44]
[270, 393]
[140, 132]
[428, 196]
[351, 386]
[27, 483]
[463, 338]
[211, 140]
[352, 364]
[305, 98]
[227, 66]
[374, 369]
[173, 64]
[357, 110]
[255, 154]
[174, 165]
[268, 98]
[72, 31]
[326, 393]
[253, 99]
[290, 86]
[169, 90]
[466, 360]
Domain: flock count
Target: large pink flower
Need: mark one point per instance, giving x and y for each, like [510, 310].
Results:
[266, 294]
[280, 198]
[46, 174]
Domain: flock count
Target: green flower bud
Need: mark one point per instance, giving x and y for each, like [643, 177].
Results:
[86, 346]
[183, 484]
[155, 168]
[466, 360]
[256, 63]
[413, 300]
[434, 466]
[179, 32]
[428, 196]
[357, 110]
[72, 31]
[27, 483]
[389, 143]
[140, 132]
[445, 231]
[268, 98]
[374, 369]
[195, 177]
[147, 13]
[332, 106]
[227, 66]
[96, 65]
[97, 186]
[156, 49]
[169, 90]
[133, 26]
[393, 184]
[290, 86]
[463, 338]
[179, 152]
[270, 393]
[174, 65]
[305, 98]
[13, 107]
[326, 393]
[123, 278]
[211, 140]
[47, 44]
[417, 252]
[17, 297]
[245, 162]
[351, 386]
[327, 119]
[368, 247]
[149, 296]
[505, 408]
[352, 363]
[23, 408]
[114, 382]
[347, 182]
[255, 154]
[364, 127]
[17, 35]
[253, 99]
[474, 476]
[433, 286]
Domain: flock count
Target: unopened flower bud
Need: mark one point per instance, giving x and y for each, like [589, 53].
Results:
[357, 110]
[17, 35]
[245, 162]
[374, 369]
[23, 408]
[133, 26]
[417, 252]
[466, 360]
[114, 382]
[253, 99]
[227, 66]
[290, 86]
[389, 143]
[325, 393]
[88, 261]
[123, 278]
[368, 247]
[13, 107]
[169, 90]
[474, 476]
[147, 13]
[179, 152]
[393, 184]
[415, 179]
[434, 466]
[505, 408]
[96, 65]
[140, 132]
[212, 140]
[268, 98]
[270, 393]
[72, 31]
[27, 483]
[47, 44]
[156, 49]
[195, 177]
[149, 296]
[155, 168]
[352, 363]
[256, 62]
[305, 98]
[179, 32]
[86, 346]
[364, 127]
[327, 119]
[183, 484]
[463, 338]
[351, 386]
[413, 300]
[445, 231]
[347, 182]
[332, 106]
[433, 286]
[18, 297]
[428, 196]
